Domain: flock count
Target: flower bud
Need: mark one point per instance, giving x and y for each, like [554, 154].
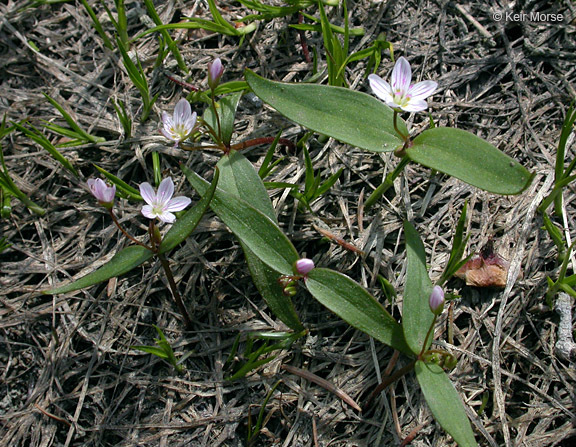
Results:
[437, 300]
[215, 71]
[303, 266]
[104, 194]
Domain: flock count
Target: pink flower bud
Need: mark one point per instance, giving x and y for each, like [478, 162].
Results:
[215, 71]
[437, 300]
[303, 266]
[104, 194]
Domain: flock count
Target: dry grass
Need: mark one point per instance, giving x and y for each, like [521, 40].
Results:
[68, 375]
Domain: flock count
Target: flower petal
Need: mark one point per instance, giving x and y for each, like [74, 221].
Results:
[177, 204]
[415, 105]
[147, 193]
[168, 134]
[109, 194]
[422, 90]
[166, 217]
[401, 75]
[182, 111]
[165, 191]
[191, 122]
[167, 120]
[147, 211]
[381, 88]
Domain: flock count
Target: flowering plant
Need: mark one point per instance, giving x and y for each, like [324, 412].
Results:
[242, 203]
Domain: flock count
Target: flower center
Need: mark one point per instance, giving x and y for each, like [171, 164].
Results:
[180, 131]
[401, 98]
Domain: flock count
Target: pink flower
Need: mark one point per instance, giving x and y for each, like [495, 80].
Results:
[437, 300]
[303, 266]
[161, 204]
[401, 94]
[179, 126]
[104, 194]
[215, 71]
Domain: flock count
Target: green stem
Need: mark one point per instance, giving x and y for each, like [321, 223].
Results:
[386, 184]
[398, 131]
[430, 331]
[217, 116]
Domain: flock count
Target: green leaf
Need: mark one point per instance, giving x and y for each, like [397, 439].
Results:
[445, 403]
[227, 113]
[72, 123]
[158, 352]
[8, 185]
[470, 159]
[122, 262]
[251, 226]
[349, 116]
[416, 314]
[351, 302]
[241, 179]
[186, 224]
[37, 136]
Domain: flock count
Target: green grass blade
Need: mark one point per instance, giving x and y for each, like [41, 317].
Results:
[41, 140]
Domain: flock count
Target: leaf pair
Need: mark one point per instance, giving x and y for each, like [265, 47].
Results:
[442, 398]
[365, 122]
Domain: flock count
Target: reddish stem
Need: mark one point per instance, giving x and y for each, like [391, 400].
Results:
[183, 83]
[124, 232]
[387, 381]
[303, 40]
[263, 140]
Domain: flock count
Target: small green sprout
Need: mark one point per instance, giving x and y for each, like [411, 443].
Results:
[163, 350]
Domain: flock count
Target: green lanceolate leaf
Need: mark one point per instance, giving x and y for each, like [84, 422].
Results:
[445, 403]
[470, 159]
[416, 314]
[122, 262]
[351, 302]
[186, 224]
[349, 116]
[251, 226]
[241, 179]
